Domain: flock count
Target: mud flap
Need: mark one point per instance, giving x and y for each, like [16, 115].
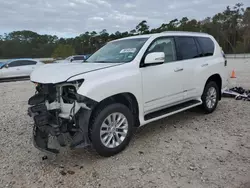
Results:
[81, 138]
[41, 139]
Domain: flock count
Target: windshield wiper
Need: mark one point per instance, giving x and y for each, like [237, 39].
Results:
[98, 61]
[105, 62]
[101, 61]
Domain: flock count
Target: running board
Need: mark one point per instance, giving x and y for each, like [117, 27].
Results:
[172, 110]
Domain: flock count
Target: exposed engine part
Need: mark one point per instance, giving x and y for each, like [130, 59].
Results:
[68, 94]
[58, 110]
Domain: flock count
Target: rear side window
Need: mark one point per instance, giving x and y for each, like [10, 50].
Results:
[28, 62]
[207, 45]
[187, 48]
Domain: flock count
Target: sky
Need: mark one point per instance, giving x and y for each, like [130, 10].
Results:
[69, 18]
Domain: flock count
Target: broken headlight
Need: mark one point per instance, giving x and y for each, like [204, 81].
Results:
[68, 94]
[69, 91]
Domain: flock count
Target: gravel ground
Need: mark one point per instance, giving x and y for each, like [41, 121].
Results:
[189, 150]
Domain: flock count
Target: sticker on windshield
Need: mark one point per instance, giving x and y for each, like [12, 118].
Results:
[128, 50]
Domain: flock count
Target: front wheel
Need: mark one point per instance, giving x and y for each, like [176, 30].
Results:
[210, 97]
[111, 129]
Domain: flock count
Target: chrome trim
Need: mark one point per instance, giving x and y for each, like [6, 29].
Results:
[169, 105]
[178, 70]
[163, 97]
[169, 95]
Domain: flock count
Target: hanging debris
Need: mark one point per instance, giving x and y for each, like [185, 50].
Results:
[238, 93]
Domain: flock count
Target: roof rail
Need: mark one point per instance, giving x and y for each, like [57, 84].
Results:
[184, 32]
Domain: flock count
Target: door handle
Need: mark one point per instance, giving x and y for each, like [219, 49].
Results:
[204, 65]
[178, 70]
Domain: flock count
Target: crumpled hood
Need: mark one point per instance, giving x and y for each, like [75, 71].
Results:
[56, 73]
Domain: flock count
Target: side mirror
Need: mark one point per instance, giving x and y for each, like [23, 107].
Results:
[71, 60]
[6, 66]
[155, 58]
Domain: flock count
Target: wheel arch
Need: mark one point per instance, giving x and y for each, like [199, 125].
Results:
[127, 99]
[218, 80]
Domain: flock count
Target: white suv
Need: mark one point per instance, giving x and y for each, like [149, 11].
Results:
[126, 84]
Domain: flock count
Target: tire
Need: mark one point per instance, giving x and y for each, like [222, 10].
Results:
[207, 106]
[114, 111]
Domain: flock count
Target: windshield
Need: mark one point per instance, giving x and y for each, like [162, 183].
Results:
[68, 58]
[118, 51]
[2, 64]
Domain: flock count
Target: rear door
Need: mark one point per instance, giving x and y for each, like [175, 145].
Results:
[191, 56]
[28, 66]
[214, 61]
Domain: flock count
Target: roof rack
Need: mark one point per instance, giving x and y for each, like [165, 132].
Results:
[184, 32]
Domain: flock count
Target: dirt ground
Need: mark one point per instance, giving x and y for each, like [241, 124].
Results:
[187, 150]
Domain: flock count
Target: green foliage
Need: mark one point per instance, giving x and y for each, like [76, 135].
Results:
[142, 27]
[231, 28]
[63, 50]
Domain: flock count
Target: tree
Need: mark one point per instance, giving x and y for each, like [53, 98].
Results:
[132, 32]
[142, 27]
[63, 51]
[246, 31]
[231, 28]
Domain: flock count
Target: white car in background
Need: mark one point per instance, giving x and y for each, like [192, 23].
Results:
[17, 68]
[72, 59]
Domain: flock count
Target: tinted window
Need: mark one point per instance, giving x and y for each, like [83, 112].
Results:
[21, 63]
[27, 62]
[199, 48]
[165, 45]
[15, 64]
[206, 45]
[79, 58]
[32, 62]
[187, 48]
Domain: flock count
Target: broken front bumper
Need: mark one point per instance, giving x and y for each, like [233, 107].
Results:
[60, 115]
[50, 126]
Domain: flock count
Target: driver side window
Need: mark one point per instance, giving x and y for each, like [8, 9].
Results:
[166, 45]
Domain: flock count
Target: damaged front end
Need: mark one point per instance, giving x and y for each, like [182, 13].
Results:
[60, 112]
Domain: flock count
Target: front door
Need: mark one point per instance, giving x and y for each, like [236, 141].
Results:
[162, 84]
[191, 55]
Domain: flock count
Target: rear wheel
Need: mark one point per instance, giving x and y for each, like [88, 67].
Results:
[210, 97]
[111, 129]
